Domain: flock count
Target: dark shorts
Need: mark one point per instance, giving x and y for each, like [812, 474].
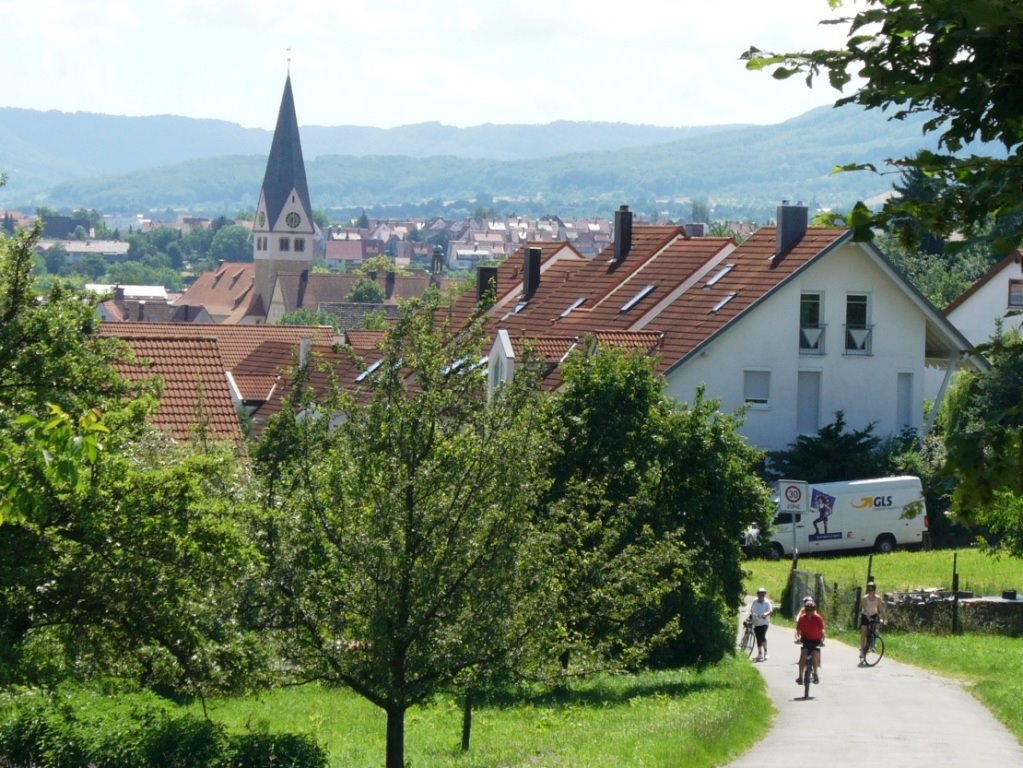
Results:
[811, 645]
[761, 633]
[865, 620]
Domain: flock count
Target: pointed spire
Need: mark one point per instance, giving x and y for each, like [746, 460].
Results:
[285, 168]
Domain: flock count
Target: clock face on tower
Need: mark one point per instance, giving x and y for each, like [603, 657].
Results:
[292, 219]
[262, 219]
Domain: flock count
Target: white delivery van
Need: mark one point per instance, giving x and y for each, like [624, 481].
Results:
[879, 514]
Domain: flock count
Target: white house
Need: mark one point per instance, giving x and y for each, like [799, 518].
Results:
[793, 324]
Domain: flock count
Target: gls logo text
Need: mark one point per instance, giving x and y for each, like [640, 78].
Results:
[873, 501]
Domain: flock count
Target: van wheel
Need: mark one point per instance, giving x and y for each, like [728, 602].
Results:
[776, 552]
[885, 543]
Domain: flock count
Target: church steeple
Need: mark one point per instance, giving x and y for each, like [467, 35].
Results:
[283, 234]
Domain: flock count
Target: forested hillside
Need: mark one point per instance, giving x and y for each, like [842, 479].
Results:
[123, 164]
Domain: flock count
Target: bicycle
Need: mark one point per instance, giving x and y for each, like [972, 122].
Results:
[813, 648]
[749, 638]
[875, 643]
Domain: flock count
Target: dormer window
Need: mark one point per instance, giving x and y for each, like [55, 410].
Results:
[637, 298]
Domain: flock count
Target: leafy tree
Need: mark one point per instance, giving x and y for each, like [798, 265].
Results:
[366, 291]
[380, 264]
[131, 273]
[231, 243]
[831, 454]
[403, 559]
[956, 63]
[362, 222]
[120, 549]
[982, 419]
[91, 266]
[306, 316]
[55, 259]
[648, 501]
[699, 211]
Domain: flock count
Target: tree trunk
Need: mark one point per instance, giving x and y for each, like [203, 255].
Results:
[396, 737]
[466, 721]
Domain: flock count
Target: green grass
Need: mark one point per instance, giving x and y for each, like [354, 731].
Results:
[981, 662]
[978, 572]
[694, 718]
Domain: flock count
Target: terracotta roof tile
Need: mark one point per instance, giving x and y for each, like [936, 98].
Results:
[236, 342]
[194, 384]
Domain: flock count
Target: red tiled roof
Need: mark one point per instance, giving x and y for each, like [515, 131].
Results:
[223, 290]
[236, 342]
[194, 384]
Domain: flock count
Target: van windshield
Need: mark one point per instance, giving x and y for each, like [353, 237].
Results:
[785, 518]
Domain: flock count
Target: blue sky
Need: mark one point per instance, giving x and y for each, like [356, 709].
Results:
[396, 62]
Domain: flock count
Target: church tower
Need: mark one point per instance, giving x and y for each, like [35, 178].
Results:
[283, 236]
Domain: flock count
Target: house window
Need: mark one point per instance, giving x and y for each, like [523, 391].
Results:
[299, 243]
[904, 401]
[756, 388]
[285, 244]
[808, 402]
[1016, 293]
[811, 329]
[857, 329]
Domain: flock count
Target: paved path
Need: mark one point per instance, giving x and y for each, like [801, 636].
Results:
[892, 714]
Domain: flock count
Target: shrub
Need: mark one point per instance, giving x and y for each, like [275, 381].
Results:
[71, 729]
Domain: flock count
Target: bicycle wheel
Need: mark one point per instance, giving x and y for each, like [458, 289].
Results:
[875, 650]
[807, 676]
[748, 641]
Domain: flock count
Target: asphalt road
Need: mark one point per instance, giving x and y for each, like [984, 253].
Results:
[892, 714]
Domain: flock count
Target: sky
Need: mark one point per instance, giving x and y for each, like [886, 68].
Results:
[387, 63]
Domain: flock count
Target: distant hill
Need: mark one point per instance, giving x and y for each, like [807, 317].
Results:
[132, 164]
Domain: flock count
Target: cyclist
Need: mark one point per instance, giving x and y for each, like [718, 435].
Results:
[872, 608]
[760, 613]
[810, 634]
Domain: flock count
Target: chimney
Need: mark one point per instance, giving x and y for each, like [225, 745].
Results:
[437, 266]
[305, 344]
[792, 222]
[389, 280]
[531, 271]
[486, 286]
[623, 233]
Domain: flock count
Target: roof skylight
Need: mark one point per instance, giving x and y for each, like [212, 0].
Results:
[575, 305]
[720, 305]
[362, 376]
[636, 299]
[721, 273]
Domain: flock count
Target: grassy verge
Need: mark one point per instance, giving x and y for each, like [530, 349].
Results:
[978, 572]
[694, 718]
[986, 664]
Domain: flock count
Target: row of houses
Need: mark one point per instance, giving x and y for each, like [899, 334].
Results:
[791, 325]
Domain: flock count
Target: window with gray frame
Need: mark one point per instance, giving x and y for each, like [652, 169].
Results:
[756, 388]
[811, 327]
[857, 330]
[1016, 293]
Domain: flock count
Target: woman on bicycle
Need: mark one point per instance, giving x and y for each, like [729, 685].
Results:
[810, 634]
[872, 608]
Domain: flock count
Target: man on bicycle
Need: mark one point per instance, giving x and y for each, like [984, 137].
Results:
[872, 609]
[810, 634]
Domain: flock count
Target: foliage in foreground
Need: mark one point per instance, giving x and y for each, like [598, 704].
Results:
[403, 561]
[78, 728]
[955, 63]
